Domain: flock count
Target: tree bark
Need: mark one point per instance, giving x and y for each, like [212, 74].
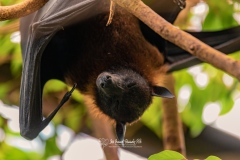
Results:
[173, 136]
[181, 38]
[103, 129]
[21, 9]
[157, 23]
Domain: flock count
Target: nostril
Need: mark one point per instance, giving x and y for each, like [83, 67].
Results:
[105, 81]
[102, 85]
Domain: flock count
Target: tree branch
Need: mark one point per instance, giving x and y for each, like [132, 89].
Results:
[9, 28]
[173, 136]
[181, 38]
[157, 23]
[103, 129]
[19, 10]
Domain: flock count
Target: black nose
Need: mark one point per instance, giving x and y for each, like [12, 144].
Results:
[106, 80]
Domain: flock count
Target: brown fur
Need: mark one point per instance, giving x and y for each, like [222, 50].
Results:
[119, 44]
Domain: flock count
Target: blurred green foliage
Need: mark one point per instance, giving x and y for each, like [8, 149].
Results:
[172, 155]
[11, 153]
[220, 16]
[167, 154]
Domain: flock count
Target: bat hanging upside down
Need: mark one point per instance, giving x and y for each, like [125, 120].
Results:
[113, 65]
[118, 68]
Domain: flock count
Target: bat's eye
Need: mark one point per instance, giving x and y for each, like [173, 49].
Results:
[130, 85]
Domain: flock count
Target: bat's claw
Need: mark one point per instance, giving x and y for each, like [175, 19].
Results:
[68, 94]
[73, 88]
[180, 3]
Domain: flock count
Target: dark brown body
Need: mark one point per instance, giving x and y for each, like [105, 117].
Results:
[102, 47]
[91, 48]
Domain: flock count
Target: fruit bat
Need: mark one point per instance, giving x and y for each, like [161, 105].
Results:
[117, 66]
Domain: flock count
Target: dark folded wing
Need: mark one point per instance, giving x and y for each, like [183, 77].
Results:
[226, 41]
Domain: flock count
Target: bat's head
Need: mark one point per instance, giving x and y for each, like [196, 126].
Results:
[124, 95]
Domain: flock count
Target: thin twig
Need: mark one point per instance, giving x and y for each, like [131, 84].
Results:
[111, 13]
[9, 28]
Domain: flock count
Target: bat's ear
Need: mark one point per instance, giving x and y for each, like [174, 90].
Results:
[120, 130]
[161, 92]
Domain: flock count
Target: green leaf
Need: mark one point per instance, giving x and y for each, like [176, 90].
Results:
[8, 152]
[227, 105]
[54, 85]
[77, 96]
[212, 158]
[51, 148]
[220, 16]
[75, 117]
[167, 155]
